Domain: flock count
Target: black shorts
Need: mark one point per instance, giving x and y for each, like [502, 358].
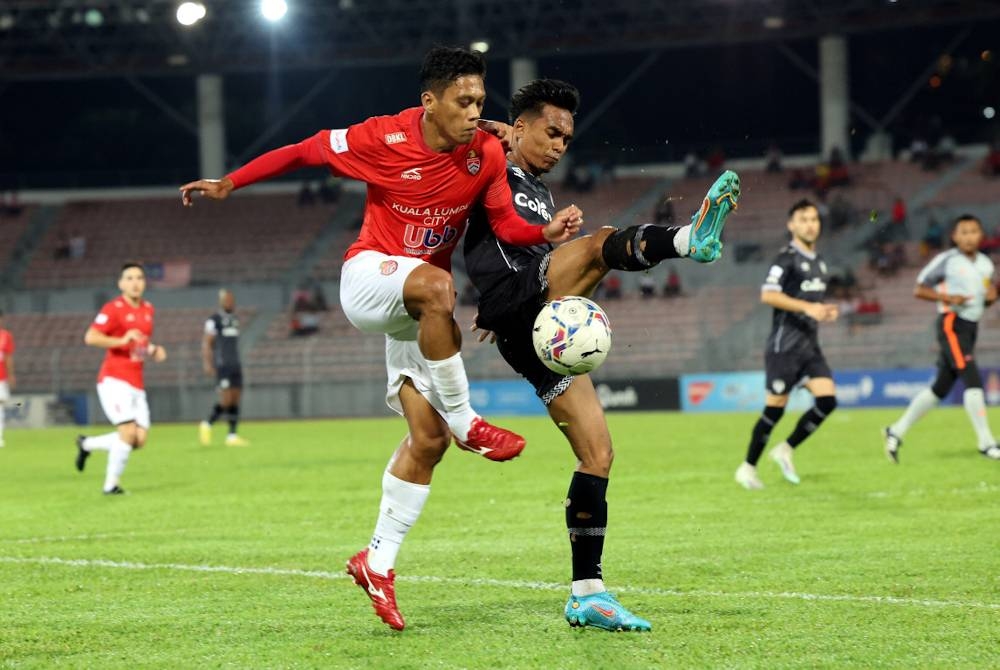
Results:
[783, 370]
[509, 310]
[957, 338]
[229, 377]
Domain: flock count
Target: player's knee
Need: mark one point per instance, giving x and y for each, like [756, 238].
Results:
[434, 291]
[826, 404]
[429, 449]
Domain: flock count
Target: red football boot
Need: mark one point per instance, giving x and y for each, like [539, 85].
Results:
[492, 442]
[381, 589]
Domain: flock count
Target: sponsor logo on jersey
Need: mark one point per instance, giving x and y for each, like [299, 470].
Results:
[395, 138]
[822, 267]
[413, 174]
[418, 237]
[815, 284]
[388, 267]
[518, 172]
[804, 266]
[533, 204]
[774, 274]
[338, 140]
[472, 162]
[101, 319]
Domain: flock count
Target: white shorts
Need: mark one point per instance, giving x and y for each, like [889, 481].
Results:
[371, 295]
[123, 402]
[4, 391]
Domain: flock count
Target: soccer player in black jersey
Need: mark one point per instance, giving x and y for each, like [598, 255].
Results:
[514, 282]
[795, 287]
[220, 355]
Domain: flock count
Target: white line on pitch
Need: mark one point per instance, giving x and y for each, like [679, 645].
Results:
[90, 536]
[502, 583]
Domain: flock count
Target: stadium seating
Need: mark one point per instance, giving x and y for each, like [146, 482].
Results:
[248, 238]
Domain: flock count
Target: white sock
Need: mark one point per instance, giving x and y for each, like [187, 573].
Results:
[452, 387]
[401, 505]
[117, 458]
[682, 240]
[975, 407]
[922, 403]
[588, 587]
[100, 442]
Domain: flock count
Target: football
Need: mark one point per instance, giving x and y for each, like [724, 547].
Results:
[572, 335]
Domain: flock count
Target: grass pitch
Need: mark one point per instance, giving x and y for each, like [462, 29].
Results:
[226, 557]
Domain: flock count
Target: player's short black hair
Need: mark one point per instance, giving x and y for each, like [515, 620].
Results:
[965, 217]
[443, 65]
[804, 203]
[535, 94]
[131, 264]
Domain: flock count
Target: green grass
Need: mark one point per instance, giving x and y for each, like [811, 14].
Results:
[863, 565]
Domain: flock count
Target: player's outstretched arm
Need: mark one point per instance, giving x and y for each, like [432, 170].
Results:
[284, 159]
[933, 295]
[96, 338]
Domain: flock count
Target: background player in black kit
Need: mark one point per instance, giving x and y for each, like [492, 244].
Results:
[795, 287]
[514, 283]
[220, 356]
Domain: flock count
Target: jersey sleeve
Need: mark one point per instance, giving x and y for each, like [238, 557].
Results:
[210, 328]
[356, 152]
[778, 274]
[106, 320]
[497, 202]
[934, 272]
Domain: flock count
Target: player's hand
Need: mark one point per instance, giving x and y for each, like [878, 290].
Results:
[500, 130]
[483, 333]
[159, 353]
[564, 225]
[821, 311]
[216, 189]
[956, 299]
[132, 335]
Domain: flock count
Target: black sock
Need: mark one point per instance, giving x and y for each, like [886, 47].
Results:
[762, 432]
[639, 247]
[234, 418]
[216, 411]
[811, 420]
[587, 520]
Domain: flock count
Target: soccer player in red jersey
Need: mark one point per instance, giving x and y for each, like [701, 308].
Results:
[7, 378]
[123, 328]
[425, 168]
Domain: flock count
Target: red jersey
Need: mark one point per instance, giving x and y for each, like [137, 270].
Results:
[6, 350]
[115, 319]
[418, 199]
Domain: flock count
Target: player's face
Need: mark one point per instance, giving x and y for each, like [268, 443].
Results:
[456, 111]
[804, 226]
[132, 283]
[967, 236]
[227, 301]
[542, 140]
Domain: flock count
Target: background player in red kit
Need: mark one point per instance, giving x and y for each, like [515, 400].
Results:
[7, 378]
[425, 168]
[123, 327]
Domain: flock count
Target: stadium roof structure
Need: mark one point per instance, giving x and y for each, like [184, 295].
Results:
[63, 39]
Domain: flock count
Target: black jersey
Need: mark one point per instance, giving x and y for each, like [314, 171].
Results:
[489, 260]
[225, 326]
[801, 275]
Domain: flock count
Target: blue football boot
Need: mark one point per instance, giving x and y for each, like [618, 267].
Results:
[602, 610]
[707, 222]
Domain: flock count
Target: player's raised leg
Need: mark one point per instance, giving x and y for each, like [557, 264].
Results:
[429, 296]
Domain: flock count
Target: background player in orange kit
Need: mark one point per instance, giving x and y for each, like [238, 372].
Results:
[123, 327]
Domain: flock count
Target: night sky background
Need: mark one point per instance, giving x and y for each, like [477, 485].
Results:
[102, 132]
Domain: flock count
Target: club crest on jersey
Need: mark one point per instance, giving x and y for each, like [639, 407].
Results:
[388, 267]
[472, 162]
